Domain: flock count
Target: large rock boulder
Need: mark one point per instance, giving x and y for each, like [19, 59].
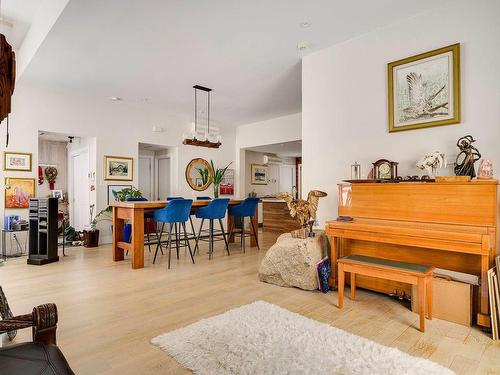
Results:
[292, 262]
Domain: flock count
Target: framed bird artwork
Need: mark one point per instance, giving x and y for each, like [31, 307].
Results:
[424, 90]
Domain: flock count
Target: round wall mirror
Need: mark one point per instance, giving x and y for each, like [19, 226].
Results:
[199, 174]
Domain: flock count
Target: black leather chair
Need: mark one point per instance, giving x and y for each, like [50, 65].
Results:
[40, 357]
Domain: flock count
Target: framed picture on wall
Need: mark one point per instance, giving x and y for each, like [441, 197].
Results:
[259, 174]
[114, 188]
[18, 192]
[17, 161]
[424, 90]
[118, 168]
[226, 186]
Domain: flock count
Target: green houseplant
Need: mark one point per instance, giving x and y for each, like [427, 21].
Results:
[105, 214]
[218, 176]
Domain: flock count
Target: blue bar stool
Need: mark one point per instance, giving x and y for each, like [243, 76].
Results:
[216, 210]
[175, 213]
[245, 209]
[148, 216]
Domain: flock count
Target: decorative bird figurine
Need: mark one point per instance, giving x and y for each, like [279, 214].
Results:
[421, 102]
[304, 212]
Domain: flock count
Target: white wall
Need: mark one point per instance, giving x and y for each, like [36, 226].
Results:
[344, 98]
[118, 127]
[278, 130]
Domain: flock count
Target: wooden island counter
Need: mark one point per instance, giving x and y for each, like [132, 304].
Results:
[276, 216]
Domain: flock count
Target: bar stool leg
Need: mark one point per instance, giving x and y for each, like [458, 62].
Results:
[243, 242]
[169, 244]
[177, 230]
[224, 235]
[211, 239]
[158, 245]
[187, 242]
[196, 247]
[255, 233]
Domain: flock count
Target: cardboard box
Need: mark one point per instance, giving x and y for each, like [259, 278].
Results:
[451, 301]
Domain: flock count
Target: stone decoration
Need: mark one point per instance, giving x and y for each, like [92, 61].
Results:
[291, 262]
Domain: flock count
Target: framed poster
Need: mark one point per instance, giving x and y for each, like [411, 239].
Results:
[114, 188]
[118, 168]
[18, 192]
[226, 186]
[259, 174]
[57, 194]
[17, 161]
[424, 90]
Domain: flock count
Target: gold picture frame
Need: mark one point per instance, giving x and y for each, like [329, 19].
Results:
[424, 90]
[259, 174]
[118, 168]
[17, 161]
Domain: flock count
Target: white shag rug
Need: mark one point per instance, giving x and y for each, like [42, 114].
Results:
[262, 338]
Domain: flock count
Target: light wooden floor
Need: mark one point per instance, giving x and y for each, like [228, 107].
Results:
[109, 313]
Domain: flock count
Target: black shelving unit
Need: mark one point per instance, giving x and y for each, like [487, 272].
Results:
[43, 229]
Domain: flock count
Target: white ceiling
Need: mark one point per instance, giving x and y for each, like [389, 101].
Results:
[287, 149]
[21, 14]
[151, 52]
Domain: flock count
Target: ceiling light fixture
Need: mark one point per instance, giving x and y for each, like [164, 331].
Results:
[303, 45]
[305, 24]
[116, 99]
[198, 136]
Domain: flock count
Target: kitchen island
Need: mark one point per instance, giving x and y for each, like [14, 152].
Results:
[276, 216]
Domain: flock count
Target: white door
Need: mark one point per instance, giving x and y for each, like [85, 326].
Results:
[287, 178]
[145, 175]
[163, 178]
[81, 190]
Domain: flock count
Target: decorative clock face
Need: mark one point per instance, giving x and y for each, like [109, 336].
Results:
[384, 171]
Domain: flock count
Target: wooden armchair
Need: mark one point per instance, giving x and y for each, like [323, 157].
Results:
[41, 356]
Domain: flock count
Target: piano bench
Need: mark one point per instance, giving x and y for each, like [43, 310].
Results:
[415, 274]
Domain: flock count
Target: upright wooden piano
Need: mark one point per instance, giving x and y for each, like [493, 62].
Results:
[448, 225]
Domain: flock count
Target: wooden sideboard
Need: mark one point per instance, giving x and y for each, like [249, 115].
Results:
[447, 225]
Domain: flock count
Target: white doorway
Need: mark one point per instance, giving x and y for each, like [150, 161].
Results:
[163, 178]
[155, 182]
[80, 200]
[287, 178]
[146, 180]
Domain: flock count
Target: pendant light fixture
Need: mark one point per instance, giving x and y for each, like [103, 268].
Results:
[199, 136]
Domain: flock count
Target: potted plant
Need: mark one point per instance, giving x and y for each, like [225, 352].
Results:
[218, 176]
[105, 214]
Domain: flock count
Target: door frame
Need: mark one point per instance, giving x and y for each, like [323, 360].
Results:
[152, 174]
[71, 187]
[157, 176]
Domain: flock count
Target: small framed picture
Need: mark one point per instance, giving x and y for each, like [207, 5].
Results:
[17, 161]
[57, 194]
[118, 168]
[259, 174]
[114, 188]
[18, 192]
